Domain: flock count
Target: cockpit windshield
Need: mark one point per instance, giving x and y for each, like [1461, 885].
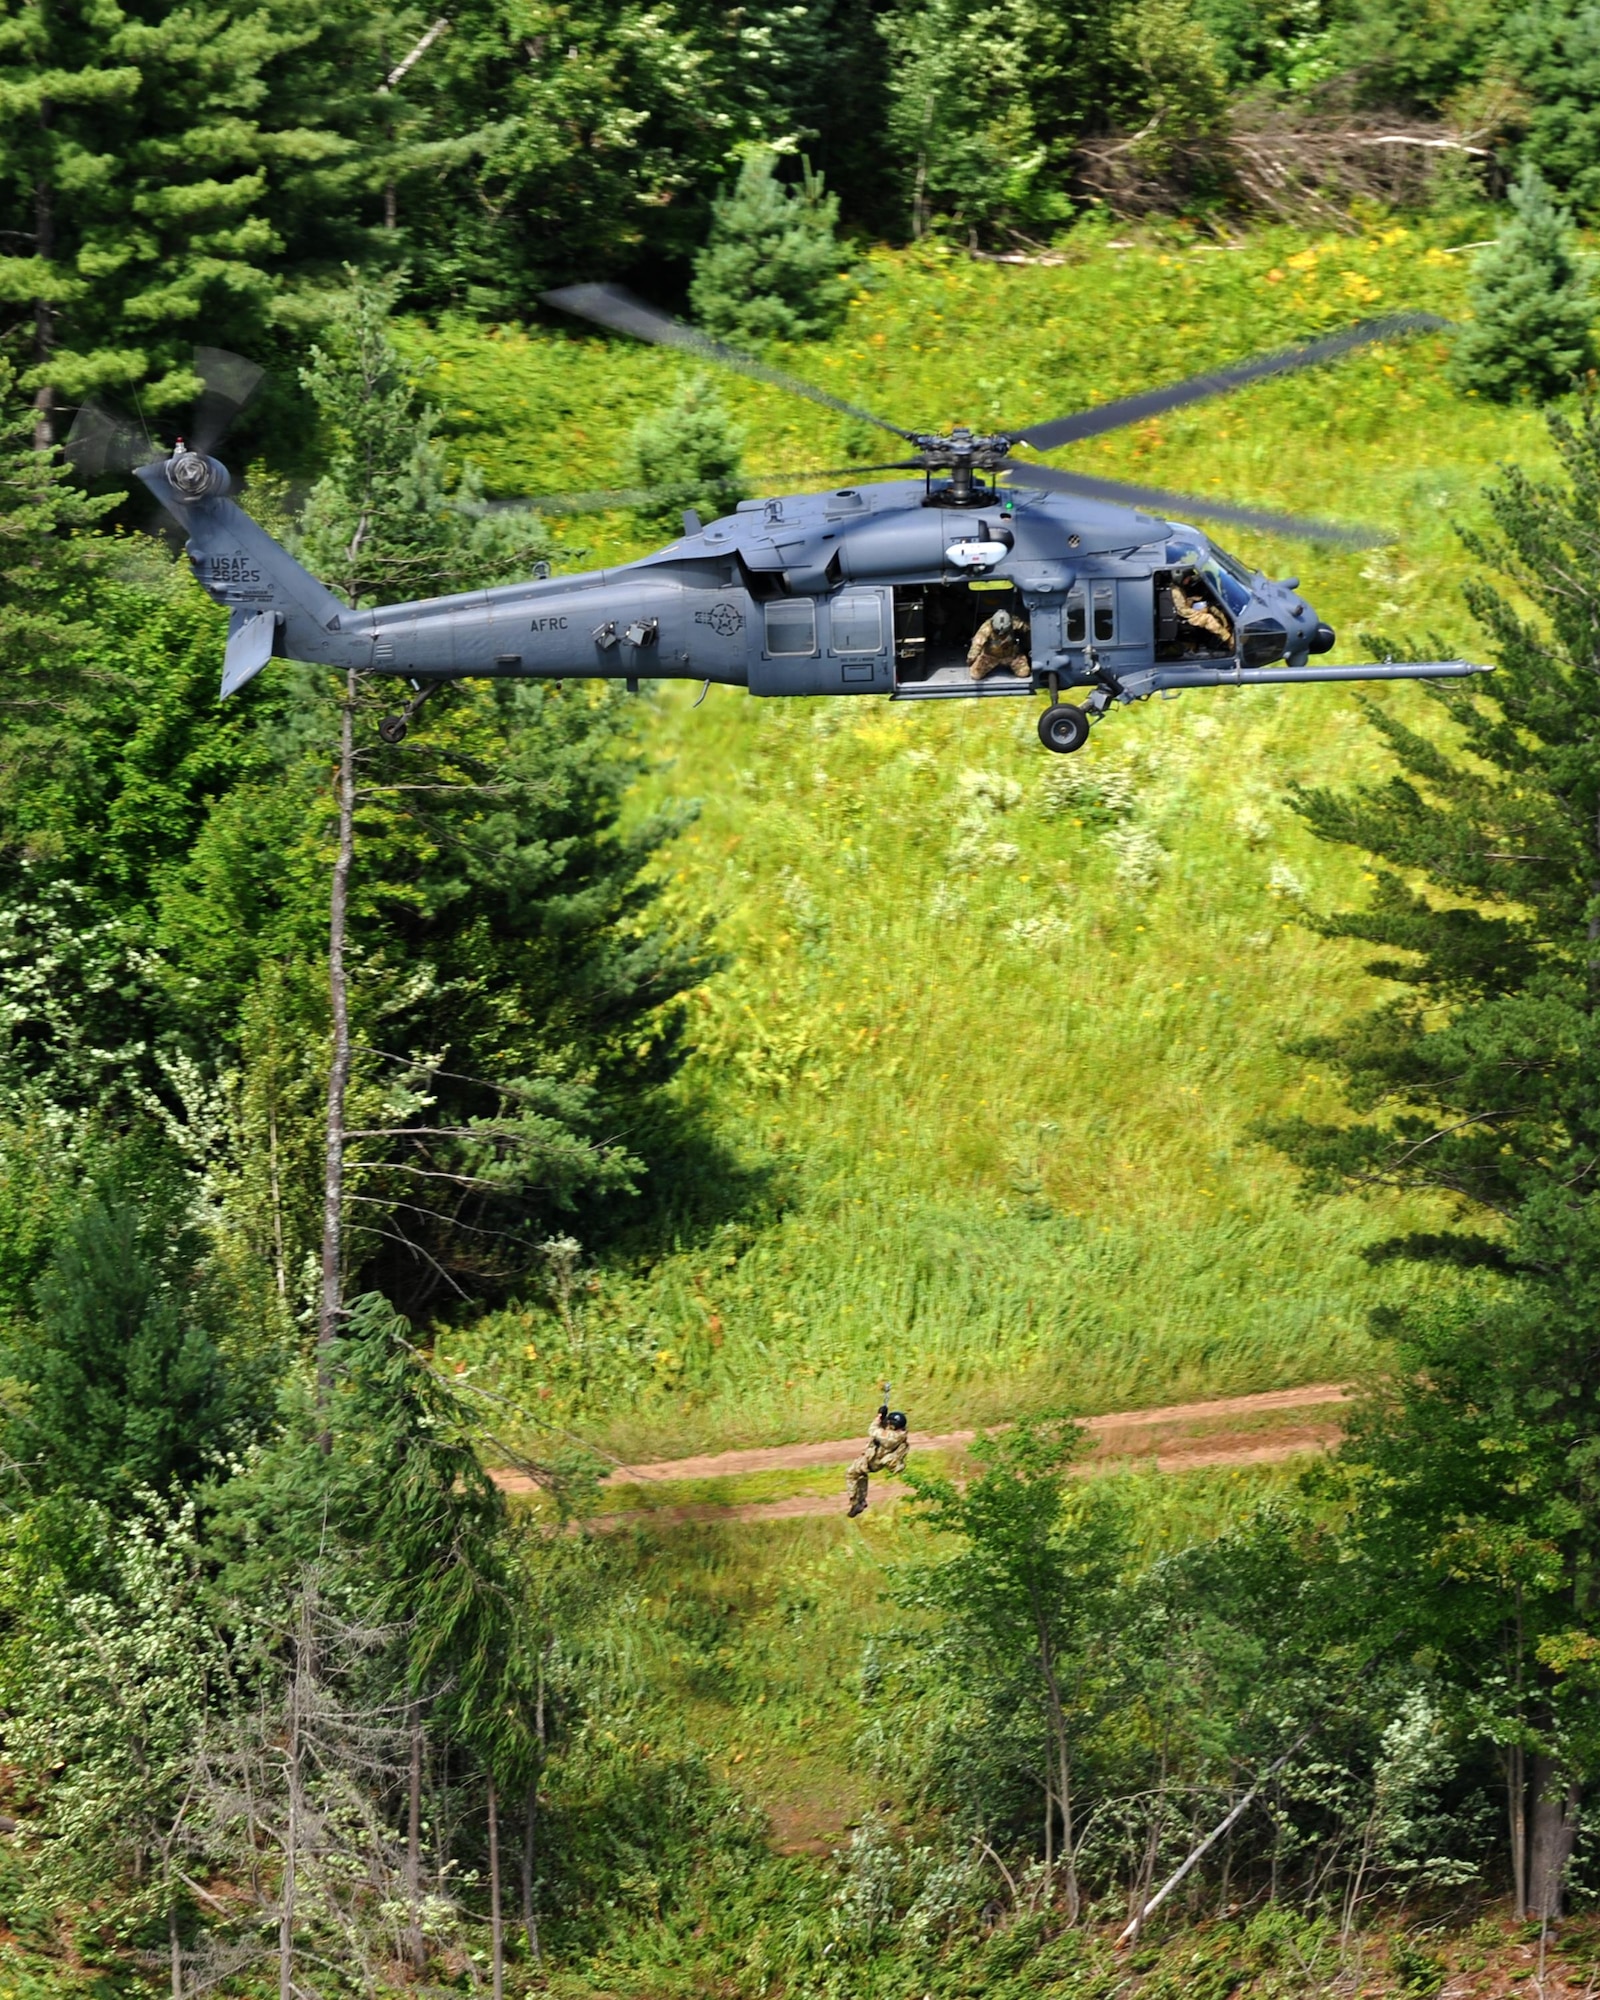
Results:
[1235, 584]
[1234, 567]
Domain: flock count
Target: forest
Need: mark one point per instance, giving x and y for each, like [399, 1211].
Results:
[458, 1186]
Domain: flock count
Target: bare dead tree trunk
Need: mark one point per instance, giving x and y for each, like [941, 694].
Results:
[1227, 1862]
[497, 1936]
[174, 1946]
[414, 1843]
[44, 318]
[530, 1817]
[530, 1827]
[1049, 1884]
[339, 1066]
[293, 1750]
[1197, 1853]
[280, 1263]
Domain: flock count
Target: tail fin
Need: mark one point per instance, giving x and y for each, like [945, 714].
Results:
[277, 607]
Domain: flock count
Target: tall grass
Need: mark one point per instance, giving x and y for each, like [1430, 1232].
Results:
[999, 1025]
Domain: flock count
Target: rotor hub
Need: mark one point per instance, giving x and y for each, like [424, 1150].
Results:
[193, 476]
[963, 453]
[962, 447]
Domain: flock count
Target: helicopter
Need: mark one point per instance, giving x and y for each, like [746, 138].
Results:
[879, 588]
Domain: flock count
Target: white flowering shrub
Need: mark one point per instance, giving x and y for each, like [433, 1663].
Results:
[1140, 856]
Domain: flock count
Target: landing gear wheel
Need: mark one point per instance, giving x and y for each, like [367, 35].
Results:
[393, 729]
[1062, 727]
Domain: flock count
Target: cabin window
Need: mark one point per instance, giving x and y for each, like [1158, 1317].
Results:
[1077, 630]
[792, 626]
[857, 619]
[1105, 619]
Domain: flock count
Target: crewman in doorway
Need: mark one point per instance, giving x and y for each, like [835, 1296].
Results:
[887, 1444]
[1000, 646]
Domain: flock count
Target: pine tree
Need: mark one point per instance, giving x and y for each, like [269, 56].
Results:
[1478, 1513]
[490, 868]
[1532, 305]
[42, 573]
[127, 1382]
[687, 455]
[770, 269]
[156, 164]
[383, 524]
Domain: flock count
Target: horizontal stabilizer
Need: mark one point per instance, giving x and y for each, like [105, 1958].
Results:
[249, 648]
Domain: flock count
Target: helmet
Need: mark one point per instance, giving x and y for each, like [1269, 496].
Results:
[1000, 623]
[897, 1420]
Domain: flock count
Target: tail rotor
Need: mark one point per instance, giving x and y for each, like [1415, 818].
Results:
[104, 442]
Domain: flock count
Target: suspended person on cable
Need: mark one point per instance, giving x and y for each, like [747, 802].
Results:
[887, 1445]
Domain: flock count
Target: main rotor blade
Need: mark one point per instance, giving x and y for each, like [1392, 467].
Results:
[1181, 504]
[231, 383]
[1197, 388]
[791, 480]
[562, 503]
[606, 500]
[613, 307]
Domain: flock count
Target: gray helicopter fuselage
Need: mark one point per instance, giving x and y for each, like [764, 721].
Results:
[875, 589]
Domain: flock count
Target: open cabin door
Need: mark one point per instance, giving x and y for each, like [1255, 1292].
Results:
[934, 625]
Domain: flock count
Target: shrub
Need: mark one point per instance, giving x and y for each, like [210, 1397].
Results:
[1176, 80]
[687, 455]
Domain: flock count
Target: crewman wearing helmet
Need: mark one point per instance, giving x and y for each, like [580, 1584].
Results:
[1190, 602]
[1000, 646]
[887, 1444]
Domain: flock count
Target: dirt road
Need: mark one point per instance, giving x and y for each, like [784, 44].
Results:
[1227, 1431]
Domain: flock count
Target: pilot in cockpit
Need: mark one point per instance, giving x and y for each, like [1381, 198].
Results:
[1194, 607]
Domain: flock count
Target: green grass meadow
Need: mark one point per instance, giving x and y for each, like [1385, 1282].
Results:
[996, 1026]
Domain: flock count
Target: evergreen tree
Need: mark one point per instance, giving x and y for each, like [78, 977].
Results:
[686, 455]
[770, 269]
[126, 1381]
[1532, 305]
[383, 524]
[1480, 1081]
[48, 565]
[156, 164]
[537, 142]
[512, 1007]
[1549, 55]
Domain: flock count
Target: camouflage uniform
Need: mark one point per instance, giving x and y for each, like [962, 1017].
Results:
[1197, 611]
[886, 1452]
[1003, 652]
